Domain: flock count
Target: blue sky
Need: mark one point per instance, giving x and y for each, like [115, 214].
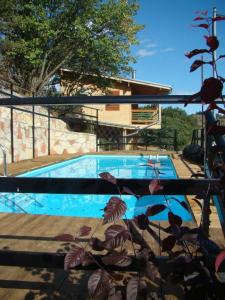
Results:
[167, 36]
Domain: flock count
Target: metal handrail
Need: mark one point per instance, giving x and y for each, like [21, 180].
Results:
[4, 160]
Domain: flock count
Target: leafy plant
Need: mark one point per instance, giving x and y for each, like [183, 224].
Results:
[193, 262]
[38, 38]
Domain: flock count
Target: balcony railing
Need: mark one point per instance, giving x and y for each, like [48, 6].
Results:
[144, 116]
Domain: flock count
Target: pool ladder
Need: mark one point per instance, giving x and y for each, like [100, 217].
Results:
[8, 200]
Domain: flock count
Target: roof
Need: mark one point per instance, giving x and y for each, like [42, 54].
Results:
[145, 83]
[136, 82]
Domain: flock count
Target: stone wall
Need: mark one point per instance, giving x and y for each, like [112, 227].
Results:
[62, 140]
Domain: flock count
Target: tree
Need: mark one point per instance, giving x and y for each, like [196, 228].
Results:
[172, 119]
[91, 37]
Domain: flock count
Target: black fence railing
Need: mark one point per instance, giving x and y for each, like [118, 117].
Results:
[99, 186]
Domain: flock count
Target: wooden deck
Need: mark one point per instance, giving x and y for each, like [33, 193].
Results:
[36, 233]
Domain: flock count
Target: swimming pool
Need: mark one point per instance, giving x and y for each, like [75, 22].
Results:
[90, 166]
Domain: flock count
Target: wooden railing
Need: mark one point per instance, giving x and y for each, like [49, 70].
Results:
[143, 116]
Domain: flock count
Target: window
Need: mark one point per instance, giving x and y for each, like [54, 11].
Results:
[113, 107]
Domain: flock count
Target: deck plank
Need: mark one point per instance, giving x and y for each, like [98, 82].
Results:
[36, 232]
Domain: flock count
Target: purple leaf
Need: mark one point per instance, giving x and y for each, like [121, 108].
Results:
[98, 284]
[195, 52]
[108, 177]
[211, 90]
[115, 258]
[132, 288]
[96, 244]
[74, 257]
[198, 202]
[217, 130]
[199, 18]
[155, 186]
[174, 219]
[168, 243]
[155, 209]
[203, 25]
[196, 64]
[117, 276]
[152, 271]
[219, 259]
[114, 210]
[184, 204]
[212, 42]
[117, 296]
[219, 18]
[128, 191]
[65, 237]
[142, 221]
[85, 230]
[115, 235]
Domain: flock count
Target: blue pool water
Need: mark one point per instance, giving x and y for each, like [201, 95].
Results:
[89, 166]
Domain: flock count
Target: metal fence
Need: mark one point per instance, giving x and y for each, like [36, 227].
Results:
[98, 186]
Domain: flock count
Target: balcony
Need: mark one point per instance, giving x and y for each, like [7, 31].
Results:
[143, 116]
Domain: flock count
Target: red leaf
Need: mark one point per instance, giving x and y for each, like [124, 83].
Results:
[87, 260]
[115, 258]
[96, 244]
[174, 219]
[108, 177]
[132, 288]
[212, 42]
[204, 12]
[128, 191]
[168, 243]
[114, 210]
[199, 18]
[211, 90]
[217, 130]
[155, 186]
[74, 257]
[152, 271]
[211, 106]
[204, 25]
[184, 204]
[117, 296]
[200, 12]
[196, 64]
[98, 284]
[219, 18]
[142, 221]
[85, 230]
[115, 236]
[65, 237]
[117, 276]
[155, 209]
[219, 259]
[195, 52]
[198, 202]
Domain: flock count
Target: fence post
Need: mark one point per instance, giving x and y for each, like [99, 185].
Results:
[96, 131]
[11, 126]
[175, 140]
[33, 128]
[49, 132]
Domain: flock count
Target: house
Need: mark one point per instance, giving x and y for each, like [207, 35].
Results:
[119, 123]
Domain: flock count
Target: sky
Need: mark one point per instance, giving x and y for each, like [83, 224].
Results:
[167, 36]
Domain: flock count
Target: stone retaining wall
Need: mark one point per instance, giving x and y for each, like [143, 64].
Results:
[62, 141]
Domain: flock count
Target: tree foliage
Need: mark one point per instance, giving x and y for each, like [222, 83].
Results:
[91, 37]
[172, 119]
